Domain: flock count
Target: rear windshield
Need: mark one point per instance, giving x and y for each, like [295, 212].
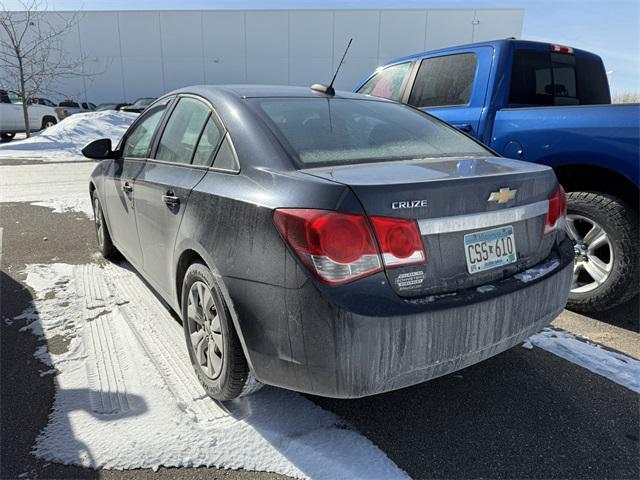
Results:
[544, 78]
[321, 131]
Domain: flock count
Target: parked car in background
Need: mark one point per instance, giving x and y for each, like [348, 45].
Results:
[110, 106]
[71, 107]
[548, 104]
[139, 105]
[321, 243]
[12, 116]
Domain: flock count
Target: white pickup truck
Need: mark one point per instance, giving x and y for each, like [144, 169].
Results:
[12, 118]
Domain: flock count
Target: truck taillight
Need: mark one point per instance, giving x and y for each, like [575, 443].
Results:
[557, 210]
[560, 49]
[335, 247]
[400, 241]
[339, 247]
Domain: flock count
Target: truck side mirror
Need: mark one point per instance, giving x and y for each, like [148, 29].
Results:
[99, 149]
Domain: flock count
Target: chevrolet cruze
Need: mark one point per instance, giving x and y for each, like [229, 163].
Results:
[340, 245]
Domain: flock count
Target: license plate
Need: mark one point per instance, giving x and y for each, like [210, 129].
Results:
[490, 249]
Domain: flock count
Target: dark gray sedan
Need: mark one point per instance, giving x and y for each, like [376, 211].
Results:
[340, 245]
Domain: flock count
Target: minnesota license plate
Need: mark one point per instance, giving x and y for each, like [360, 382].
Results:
[490, 249]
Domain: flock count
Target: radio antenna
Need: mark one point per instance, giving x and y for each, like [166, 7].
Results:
[318, 87]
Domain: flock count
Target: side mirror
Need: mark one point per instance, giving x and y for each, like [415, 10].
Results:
[99, 149]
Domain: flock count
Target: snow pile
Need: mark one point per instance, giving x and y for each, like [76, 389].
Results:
[64, 141]
[62, 187]
[615, 366]
[537, 272]
[126, 396]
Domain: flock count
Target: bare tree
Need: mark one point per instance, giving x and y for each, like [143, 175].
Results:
[32, 57]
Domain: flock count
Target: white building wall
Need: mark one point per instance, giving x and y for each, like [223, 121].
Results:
[148, 53]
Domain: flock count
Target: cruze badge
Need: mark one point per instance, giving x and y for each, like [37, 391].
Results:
[409, 204]
[503, 195]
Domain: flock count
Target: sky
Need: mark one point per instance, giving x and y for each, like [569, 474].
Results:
[609, 28]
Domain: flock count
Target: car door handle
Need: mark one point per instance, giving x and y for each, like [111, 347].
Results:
[465, 127]
[170, 199]
[127, 188]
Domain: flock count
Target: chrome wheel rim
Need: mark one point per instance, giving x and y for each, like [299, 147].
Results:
[205, 331]
[593, 253]
[97, 215]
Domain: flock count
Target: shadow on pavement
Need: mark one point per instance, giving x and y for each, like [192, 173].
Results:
[522, 414]
[26, 397]
[625, 316]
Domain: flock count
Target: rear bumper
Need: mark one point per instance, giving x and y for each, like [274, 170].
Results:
[330, 350]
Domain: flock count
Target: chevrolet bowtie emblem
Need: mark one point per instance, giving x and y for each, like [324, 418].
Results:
[503, 195]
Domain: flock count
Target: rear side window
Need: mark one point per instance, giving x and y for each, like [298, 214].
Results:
[138, 140]
[322, 131]
[545, 78]
[208, 144]
[181, 134]
[444, 81]
[388, 83]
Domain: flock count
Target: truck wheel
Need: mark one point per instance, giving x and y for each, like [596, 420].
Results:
[212, 342]
[6, 137]
[606, 265]
[48, 122]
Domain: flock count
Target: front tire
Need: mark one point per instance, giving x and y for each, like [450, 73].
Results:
[6, 137]
[212, 342]
[606, 270]
[103, 238]
[48, 122]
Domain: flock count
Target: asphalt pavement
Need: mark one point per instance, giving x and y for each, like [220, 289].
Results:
[523, 414]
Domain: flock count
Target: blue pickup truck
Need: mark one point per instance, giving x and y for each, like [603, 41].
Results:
[548, 104]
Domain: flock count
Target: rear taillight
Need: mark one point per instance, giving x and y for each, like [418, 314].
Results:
[335, 247]
[340, 247]
[399, 240]
[557, 210]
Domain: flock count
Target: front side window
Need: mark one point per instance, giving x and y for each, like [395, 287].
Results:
[138, 141]
[320, 131]
[388, 83]
[444, 81]
[181, 134]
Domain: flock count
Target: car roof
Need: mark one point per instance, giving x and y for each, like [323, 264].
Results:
[496, 44]
[265, 91]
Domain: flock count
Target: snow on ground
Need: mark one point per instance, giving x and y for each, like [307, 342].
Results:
[62, 187]
[612, 365]
[126, 396]
[64, 141]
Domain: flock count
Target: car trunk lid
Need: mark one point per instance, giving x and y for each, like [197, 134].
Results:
[455, 201]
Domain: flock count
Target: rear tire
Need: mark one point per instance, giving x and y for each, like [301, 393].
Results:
[6, 137]
[212, 342]
[103, 238]
[606, 272]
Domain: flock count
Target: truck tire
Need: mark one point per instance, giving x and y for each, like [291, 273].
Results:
[6, 137]
[213, 344]
[606, 270]
[47, 122]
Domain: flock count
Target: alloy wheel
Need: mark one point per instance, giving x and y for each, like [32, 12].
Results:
[593, 253]
[205, 331]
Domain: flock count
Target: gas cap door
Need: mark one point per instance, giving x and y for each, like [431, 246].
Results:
[513, 149]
